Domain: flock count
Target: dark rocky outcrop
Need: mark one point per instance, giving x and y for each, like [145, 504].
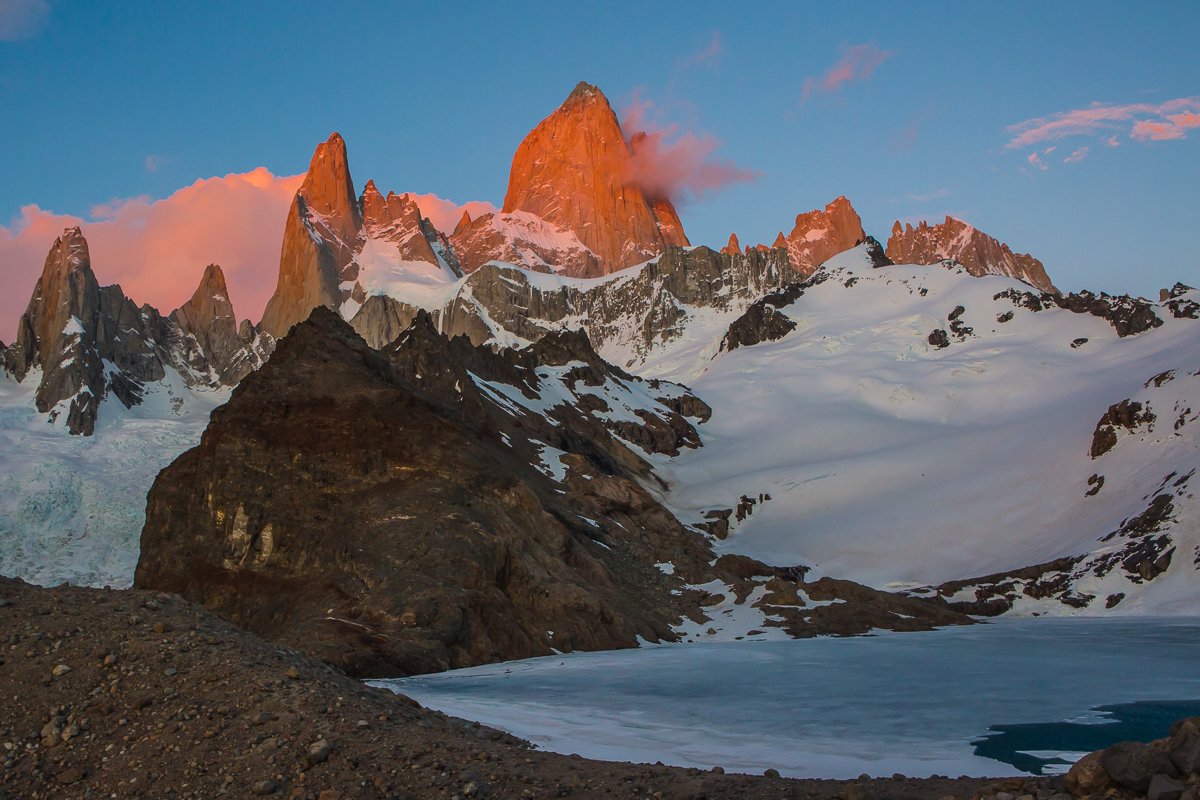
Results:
[995, 594]
[387, 516]
[761, 323]
[1181, 307]
[1128, 315]
[437, 504]
[1139, 550]
[1127, 414]
[876, 253]
[638, 310]
[1164, 769]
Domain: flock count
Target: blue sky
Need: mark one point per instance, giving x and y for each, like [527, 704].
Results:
[113, 101]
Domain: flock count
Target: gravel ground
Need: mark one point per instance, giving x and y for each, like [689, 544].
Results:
[132, 694]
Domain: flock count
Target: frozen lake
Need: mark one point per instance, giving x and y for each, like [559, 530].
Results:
[916, 703]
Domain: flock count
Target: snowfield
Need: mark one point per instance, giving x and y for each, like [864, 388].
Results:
[72, 507]
[879, 457]
[895, 463]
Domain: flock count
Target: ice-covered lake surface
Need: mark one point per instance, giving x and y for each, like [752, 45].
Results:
[916, 703]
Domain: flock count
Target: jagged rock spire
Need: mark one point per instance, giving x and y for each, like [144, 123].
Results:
[572, 170]
[979, 253]
[319, 240]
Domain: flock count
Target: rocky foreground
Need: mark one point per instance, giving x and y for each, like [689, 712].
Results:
[1164, 769]
[136, 694]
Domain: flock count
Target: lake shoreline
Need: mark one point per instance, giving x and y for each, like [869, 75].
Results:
[133, 693]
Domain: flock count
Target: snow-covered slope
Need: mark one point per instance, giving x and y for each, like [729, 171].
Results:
[72, 507]
[881, 457]
[384, 270]
[917, 427]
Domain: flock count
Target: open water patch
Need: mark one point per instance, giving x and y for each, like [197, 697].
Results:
[1042, 748]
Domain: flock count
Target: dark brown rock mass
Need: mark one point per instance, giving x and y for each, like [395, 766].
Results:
[437, 505]
[392, 528]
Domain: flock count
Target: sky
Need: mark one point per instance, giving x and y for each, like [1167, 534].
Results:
[174, 133]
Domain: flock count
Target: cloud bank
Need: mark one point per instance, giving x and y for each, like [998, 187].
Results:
[1140, 121]
[157, 249]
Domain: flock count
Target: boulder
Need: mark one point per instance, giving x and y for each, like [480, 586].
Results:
[1132, 765]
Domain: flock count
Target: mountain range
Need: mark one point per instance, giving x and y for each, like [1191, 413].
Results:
[439, 448]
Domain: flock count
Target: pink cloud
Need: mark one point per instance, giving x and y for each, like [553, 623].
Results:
[1154, 121]
[157, 249]
[22, 19]
[671, 165]
[1112, 141]
[711, 52]
[1036, 161]
[1174, 127]
[857, 63]
[1077, 156]
[445, 214]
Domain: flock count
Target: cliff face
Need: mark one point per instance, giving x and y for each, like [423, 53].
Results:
[979, 253]
[211, 340]
[382, 510]
[821, 234]
[338, 249]
[436, 505]
[57, 334]
[626, 316]
[572, 204]
[320, 238]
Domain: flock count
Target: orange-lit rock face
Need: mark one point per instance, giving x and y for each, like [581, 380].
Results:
[319, 241]
[979, 253]
[820, 235]
[734, 247]
[326, 231]
[669, 224]
[572, 171]
[396, 219]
